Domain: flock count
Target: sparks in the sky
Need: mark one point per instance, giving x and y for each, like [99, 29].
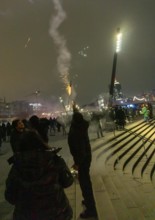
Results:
[28, 40]
[83, 52]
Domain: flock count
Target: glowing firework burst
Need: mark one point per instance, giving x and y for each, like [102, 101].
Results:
[28, 40]
[83, 52]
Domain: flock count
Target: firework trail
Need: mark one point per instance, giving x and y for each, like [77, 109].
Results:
[64, 56]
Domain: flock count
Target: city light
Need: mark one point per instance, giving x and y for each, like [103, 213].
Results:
[61, 100]
[139, 99]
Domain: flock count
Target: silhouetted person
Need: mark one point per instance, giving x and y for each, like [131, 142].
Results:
[98, 124]
[8, 130]
[40, 126]
[120, 117]
[151, 110]
[52, 125]
[0, 137]
[3, 132]
[58, 125]
[17, 130]
[36, 182]
[80, 149]
[44, 127]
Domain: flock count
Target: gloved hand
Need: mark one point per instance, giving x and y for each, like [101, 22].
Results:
[75, 167]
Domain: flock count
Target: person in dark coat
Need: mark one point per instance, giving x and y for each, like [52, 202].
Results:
[8, 130]
[40, 125]
[97, 119]
[120, 118]
[3, 132]
[79, 145]
[35, 184]
[17, 130]
[0, 138]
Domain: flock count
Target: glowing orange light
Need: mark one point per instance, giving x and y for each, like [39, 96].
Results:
[69, 89]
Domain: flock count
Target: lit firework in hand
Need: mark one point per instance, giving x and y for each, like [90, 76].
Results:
[69, 88]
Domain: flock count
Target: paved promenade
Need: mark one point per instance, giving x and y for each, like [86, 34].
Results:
[120, 191]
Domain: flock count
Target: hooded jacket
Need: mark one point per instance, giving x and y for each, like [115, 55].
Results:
[35, 185]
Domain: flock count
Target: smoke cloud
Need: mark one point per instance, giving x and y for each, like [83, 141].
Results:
[64, 55]
[5, 13]
[31, 1]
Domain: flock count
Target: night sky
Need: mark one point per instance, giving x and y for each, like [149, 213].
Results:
[45, 44]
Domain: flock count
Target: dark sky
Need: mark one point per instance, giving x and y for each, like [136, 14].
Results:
[36, 52]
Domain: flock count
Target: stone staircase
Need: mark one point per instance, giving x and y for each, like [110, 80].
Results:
[123, 174]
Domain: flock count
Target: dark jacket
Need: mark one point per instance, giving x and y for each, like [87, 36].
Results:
[78, 139]
[15, 140]
[35, 186]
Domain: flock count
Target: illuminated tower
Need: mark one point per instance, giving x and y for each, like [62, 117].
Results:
[118, 95]
[113, 75]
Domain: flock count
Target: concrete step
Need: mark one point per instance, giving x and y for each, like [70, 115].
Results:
[142, 193]
[113, 200]
[122, 211]
[103, 202]
[128, 200]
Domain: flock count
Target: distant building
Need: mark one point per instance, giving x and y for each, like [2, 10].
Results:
[20, 109]
[15, 109]
[4, 108]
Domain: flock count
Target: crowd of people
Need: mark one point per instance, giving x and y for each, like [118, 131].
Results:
[54, 125]
[121, 115]
[37, 178]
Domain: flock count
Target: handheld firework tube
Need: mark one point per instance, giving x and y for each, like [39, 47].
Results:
[74, 171]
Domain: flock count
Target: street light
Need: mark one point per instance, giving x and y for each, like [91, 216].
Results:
[113, 76]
